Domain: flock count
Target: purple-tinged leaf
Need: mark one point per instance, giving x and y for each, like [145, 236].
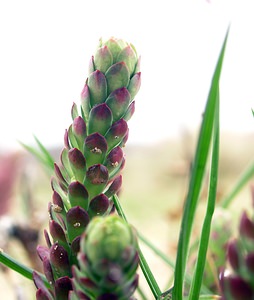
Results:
[85, 102]
[47, 238]
[79, 130]
[114, 161]
[60, 177]
[77, 163]
[137, 69]
[60, 189]
[47, 269]
[113, 47]
[74, 111]
[58, 202]
[63, 286]
[134, 85]
[66, 140]
[57, 232]
[249, 261]
[43, 252]
[78, 195]
[95, 149]
[66, 163]
[103, 59]
[116, 133]
[125, 139]
[246, 226]
[118, 102]
[91, 66]
[75, 246]
[233, 255]
[100, 119]
[117, 76]
[128, 56]
[114, 187]
[99, 205]
[43, 295]
[97, 87]
[43, 292]
[96, 179]
[72, 139]
[239, 288]
[59, 260]
[129, 112]
[77, 220]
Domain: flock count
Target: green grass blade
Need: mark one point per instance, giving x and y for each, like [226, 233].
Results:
[16, 266]
[197, 175]
[47, 156]
[142, 261]
[42, 155]
[168, 261]
[205, 234]
[245, 177]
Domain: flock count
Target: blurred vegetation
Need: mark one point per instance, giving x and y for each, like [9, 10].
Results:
[155, 182]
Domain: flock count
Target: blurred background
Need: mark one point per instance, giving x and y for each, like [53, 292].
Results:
[44, 55]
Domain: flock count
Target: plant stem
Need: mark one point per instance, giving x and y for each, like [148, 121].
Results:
[168, 261]
[143, 263]
[16, 266]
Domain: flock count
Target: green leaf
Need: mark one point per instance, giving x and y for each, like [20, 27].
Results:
[16, 266]
[197, 175]
[42, 154]
[205, 234]
[143, 263]
[244, 178]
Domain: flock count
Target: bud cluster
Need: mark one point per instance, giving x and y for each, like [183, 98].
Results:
[108, 261]
[89, 173]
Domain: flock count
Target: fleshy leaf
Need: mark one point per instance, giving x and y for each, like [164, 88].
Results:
[128, 56]
[77, 220]
[79, 130]
[118, 101]
[100, 119]
[97, 87]
[134, 85]
[103, 59]
[78, 195]
[96, 179]
[116, 133]
[95, 149]
[77, 163]
[99, 205]
[117, 76]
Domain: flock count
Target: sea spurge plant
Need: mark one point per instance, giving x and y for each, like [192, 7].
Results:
[88, 175]
[237, 283]
[108, 261]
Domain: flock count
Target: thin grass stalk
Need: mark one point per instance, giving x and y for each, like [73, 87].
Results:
[16, 266]
[205, 234]
[197, 175]
[245, 177]
[168, 261]
[143, 263]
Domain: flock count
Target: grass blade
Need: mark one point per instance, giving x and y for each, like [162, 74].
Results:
[143, 264]
[197, 175]
[16, 266]
[205, 234]
[242, 181]
[41, 155]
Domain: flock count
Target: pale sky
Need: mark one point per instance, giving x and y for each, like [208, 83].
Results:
[46, 46]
